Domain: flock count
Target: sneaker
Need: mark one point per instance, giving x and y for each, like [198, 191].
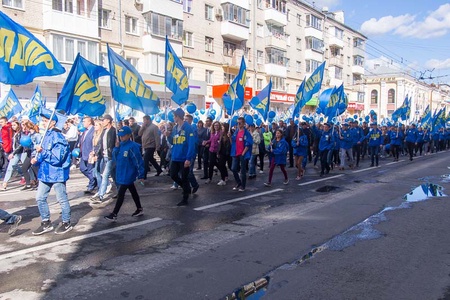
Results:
[195, 189]
[138, 212]
[22, 181]
[45, 227]
[26, 187]
[15, 225]
[108, 188]
[241, 189]
[97, 200]
[268, 184]
[261, 172]
[222, 182]
[207, 181]
[298, 178]
[63, 227]
[236, 187]
[286, 181]
[114, 196]
[111, 217]
[174, 187]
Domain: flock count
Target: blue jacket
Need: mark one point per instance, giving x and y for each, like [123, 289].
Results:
[396, 137]
[411, 135]
[346, 139]
[300, 149]
[129, 163]
[248, 143]
[356, 134]
[374, 137]
[54, 159]
[326, 141]
[420, 136]
[279, 151]
[183, 143]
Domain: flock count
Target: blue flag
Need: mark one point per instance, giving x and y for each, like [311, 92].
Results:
[403, 111]
[175, 76]
[122, 111]
[10, 106]
[439, 120]
[233, 99]
[22, 56]
[299, 102]
[128, 87]
[81, 92]
[35, 105]
[261, 102]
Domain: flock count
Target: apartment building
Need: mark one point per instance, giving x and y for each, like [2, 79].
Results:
[281, 40]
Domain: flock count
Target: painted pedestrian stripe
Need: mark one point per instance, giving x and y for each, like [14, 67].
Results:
[76, 238]
[237, 199]
[319, 180]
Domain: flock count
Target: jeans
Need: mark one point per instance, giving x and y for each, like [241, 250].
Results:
[239, 162]
[7, 217]
[252, 165]
[102, 174]
[61, 196]
[374, 150]
[13, 163]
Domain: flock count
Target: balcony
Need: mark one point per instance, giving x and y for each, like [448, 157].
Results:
[157, 44]
[277, 70]
[168, 8]
[359, 51]
[311, 31]
[337, 42]
[72, 23]
[336, 61]
[358, 70]
[275, 17]
[234, 31]
[276, 41]
[314, 55]
[232, 59]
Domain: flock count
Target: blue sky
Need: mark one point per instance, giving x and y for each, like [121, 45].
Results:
[413, 35]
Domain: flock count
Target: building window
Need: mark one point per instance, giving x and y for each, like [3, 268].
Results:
[209, 12]
[69, 50]
[259, 57]
[314, 43]
[259, 83]
[92, 52]
[81, 47]
[163, 25]
[260, 4]
[104, 20]
[236, 14]
[133, 61]
[298, 43]
[298, 66]
[187, 6]
[275, 56]
[278, 83]
[13, 3]
[131, 25]
[358, 43]
[311, 65]
[358, 60]
[63, 5]
[209, 44]
[157, 64]
[339, 33]
[228, 78]
[360, 97]
[313, 21]
[374, 97]
[337, 73]
[64, 49]
[189, 71]
[188, 40]
[299, 20]
[288, 40]
[279, 5]
[209, 77]
[259, 30]
[229, 48]
[103, 59]
[391, 96]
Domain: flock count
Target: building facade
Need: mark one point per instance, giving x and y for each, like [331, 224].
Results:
[281, 40]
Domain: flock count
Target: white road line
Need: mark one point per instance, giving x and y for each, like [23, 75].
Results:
[237, 199]
[319, 180]
[76, 238]
[362, 170]
[394, 162]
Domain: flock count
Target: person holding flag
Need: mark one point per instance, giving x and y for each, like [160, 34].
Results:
[53, 159]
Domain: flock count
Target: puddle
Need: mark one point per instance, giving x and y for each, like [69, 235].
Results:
[327, 188]
[362, 231]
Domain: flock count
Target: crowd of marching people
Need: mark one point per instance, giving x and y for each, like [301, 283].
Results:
[113, 155]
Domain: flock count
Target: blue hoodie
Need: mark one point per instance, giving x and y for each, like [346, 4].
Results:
[326, 140]
[396, 137]
[374, 137]
[411, 135]
[346, 139]
[279, 150]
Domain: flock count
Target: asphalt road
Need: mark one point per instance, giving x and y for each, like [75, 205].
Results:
[349, 235]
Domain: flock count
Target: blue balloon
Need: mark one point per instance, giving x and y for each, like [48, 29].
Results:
[202, 111]
[255, 116]
[163, 116]
[212, 112]
[355, 117]
[360, 119]
[321, 119]
[318, 110]
[296, 121]
[248, 119]
[372, 112]
[195, 120]
[191, 108]
[367, 118]
[81, 127]
[272, 114]
[76, 152]
[157, 119]
[171, 116]
[304, 118]
[25, 141]
[234, 121]
[258, 122]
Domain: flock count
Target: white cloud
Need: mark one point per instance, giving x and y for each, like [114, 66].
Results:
[438, 64]
[435, 24]
[385, 24]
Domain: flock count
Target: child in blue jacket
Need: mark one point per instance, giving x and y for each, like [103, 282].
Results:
[279, 148]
